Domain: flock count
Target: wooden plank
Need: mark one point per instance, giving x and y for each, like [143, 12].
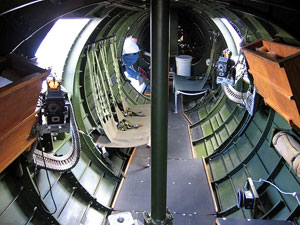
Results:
[276, 71]
[18, 102]
[187, 118]
[129, 162]
[287, 108]
[19, 99]
[263, 65]
[292, 68]
[210, 186]
[191, 141]
[20, 65]
[117, 193]
[10, 75]
[122, 181]
[15, 141]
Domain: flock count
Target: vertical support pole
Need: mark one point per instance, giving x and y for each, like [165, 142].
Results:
[159, 107]
[159, 111]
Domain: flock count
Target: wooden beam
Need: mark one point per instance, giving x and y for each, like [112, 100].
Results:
[210, 186]
[122, 181]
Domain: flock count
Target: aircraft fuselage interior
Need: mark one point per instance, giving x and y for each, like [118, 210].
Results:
[183, 112]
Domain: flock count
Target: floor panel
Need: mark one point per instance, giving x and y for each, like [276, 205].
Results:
[188, 194]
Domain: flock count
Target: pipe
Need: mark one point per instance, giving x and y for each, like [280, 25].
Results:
[159, 108]
[289, 148]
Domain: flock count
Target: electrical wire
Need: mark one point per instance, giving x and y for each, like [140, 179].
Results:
[50, 188]
[19, 7]
[51, 193]
[294, 194]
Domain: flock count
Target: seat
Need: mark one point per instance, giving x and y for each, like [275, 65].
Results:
[190, 86]
[186, 86]
[131, 126]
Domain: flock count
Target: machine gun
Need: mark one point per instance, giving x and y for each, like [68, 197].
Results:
[225, 71]
[56, 116]
[55, 109]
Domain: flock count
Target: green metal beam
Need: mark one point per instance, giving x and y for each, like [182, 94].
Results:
[159, 109]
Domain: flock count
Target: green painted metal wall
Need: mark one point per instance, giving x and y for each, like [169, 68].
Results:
[84, 194]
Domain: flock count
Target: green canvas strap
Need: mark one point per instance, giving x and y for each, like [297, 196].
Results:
[103, 55]
[104, 58]
[122, 123]
[94, 91]
[113, 50]
[101, 94]
[126, 125]
[102, 91]
[101, 81]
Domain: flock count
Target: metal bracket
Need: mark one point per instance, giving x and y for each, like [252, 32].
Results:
[149, 221]
[245, 98]
[225, 80]
[34, 131]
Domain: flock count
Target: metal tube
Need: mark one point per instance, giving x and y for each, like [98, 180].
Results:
[159, 107]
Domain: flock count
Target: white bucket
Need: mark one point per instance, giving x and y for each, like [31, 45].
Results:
[183, 65]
